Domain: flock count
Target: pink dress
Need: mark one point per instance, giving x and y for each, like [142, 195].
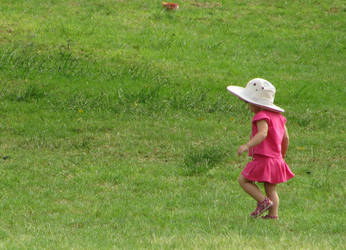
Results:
[267, 164]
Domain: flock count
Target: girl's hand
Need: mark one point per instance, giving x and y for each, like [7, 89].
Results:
[242, 149]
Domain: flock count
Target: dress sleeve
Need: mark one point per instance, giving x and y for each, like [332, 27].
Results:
[261, 116]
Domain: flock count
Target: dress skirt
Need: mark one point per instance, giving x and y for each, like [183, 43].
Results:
[265, 169]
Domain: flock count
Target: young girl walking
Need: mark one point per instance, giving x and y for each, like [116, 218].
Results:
[267, 146]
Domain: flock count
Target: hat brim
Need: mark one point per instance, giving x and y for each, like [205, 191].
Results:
[241, 93]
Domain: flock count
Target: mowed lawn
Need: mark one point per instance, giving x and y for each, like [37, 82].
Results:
[117, 132]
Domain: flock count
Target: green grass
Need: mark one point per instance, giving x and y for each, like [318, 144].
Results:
[116, 130]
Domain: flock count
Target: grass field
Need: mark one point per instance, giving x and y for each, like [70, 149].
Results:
[116, 129]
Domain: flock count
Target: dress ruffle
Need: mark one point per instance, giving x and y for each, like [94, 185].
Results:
[265, 169]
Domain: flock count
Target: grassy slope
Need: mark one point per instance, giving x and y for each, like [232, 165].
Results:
[120, 133]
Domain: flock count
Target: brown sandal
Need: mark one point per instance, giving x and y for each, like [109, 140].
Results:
[270, 217]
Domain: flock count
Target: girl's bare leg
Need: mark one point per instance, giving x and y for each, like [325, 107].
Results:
[251, 188]
[273, 196]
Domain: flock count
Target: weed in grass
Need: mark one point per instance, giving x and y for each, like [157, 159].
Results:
[30, 92]
[199, 161]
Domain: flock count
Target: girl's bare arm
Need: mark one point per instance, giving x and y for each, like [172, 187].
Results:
[285, 143]
[262, 132]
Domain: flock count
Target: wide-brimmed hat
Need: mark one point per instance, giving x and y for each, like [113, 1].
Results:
[259, 92]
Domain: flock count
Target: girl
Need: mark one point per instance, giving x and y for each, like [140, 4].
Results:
[268, 145]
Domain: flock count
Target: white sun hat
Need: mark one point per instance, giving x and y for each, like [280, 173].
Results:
[259, 92]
